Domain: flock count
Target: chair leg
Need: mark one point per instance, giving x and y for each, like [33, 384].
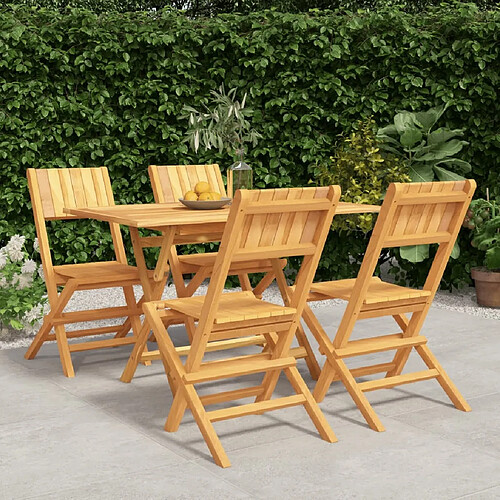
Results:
[402, 355]
[245, 284]
[311, 361]
[443, 379]
[39, 339]
[64, 352]
[263, 285]
[47, 324]
[399, 361]
[185, 394]
[270, 380]
[135, 355]
[176, 412]
[312, 408]
[206, 427]
[337, 366]
[324, 382]
[133, 322]
[358, 396]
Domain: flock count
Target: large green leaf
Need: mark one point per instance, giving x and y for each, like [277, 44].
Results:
[455, 253]
[410, 137]
[445, 175]
[441, 150]
[429, 118]
[388, 130]
[463, 166]
[415, 253]
[421, 172]
[405, 120]
[443, 134]
[493, 257]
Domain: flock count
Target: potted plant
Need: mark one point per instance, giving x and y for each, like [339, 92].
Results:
[224, 125]
[483, 218]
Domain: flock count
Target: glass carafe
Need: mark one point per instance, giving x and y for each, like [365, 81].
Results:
[239, 177]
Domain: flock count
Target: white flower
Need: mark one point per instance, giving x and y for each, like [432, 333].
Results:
[29, 267]
[16, 243]
[3, 283]
[40, 273]
[3, 258]
[15, 254]
[36, 245]
[24, 281]
[33, 315]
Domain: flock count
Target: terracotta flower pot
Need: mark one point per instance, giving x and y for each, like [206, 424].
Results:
[487, 286]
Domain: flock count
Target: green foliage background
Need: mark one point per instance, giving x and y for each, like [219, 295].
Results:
[80, 89]
[207, 8]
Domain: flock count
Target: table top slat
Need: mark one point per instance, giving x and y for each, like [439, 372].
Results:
[160, 215]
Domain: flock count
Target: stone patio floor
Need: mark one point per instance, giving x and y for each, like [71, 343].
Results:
[93, 437]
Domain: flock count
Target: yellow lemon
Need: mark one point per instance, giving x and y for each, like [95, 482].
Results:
[191, 196]
[205, 197]
[215, 195]
[202, 187]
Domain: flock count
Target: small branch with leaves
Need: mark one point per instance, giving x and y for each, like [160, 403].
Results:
[223, 124]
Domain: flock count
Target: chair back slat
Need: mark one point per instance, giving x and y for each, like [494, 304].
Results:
[283, 217]
[171, 182]
[60, 188]
[424, 212]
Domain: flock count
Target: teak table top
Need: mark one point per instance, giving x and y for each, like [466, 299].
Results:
[158, 215]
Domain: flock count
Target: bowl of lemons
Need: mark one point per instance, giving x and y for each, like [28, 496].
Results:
[203, 197]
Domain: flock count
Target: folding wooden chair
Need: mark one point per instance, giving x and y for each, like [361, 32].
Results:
[412, 214]
[269, 223]
[169, 183]
[51, 191]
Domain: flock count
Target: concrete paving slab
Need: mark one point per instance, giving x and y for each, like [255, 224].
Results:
[487, 494]
[480, 428]
[364, 465]
[70, 450]
[188, 480]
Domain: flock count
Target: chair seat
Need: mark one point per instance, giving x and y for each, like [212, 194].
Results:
[378, 291]
[88, 272]
[233, 307]
[191, 264]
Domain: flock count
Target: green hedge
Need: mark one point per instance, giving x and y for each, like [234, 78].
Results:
[77, 89]
[209, 8]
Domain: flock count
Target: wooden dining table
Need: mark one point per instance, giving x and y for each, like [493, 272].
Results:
[178, 225]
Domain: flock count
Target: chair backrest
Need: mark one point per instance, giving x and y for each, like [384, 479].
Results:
[412, 214]
[421, 213]
[52, 190]
[171, 182]
[265, 224]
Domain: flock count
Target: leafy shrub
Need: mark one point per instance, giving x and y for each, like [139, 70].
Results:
[22, 290]
[79, 89]
[199, 8]
[484, 220]
[364, 173]
[429, 154]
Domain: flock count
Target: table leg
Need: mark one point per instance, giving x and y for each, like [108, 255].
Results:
[311, 361]
[152, 291]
